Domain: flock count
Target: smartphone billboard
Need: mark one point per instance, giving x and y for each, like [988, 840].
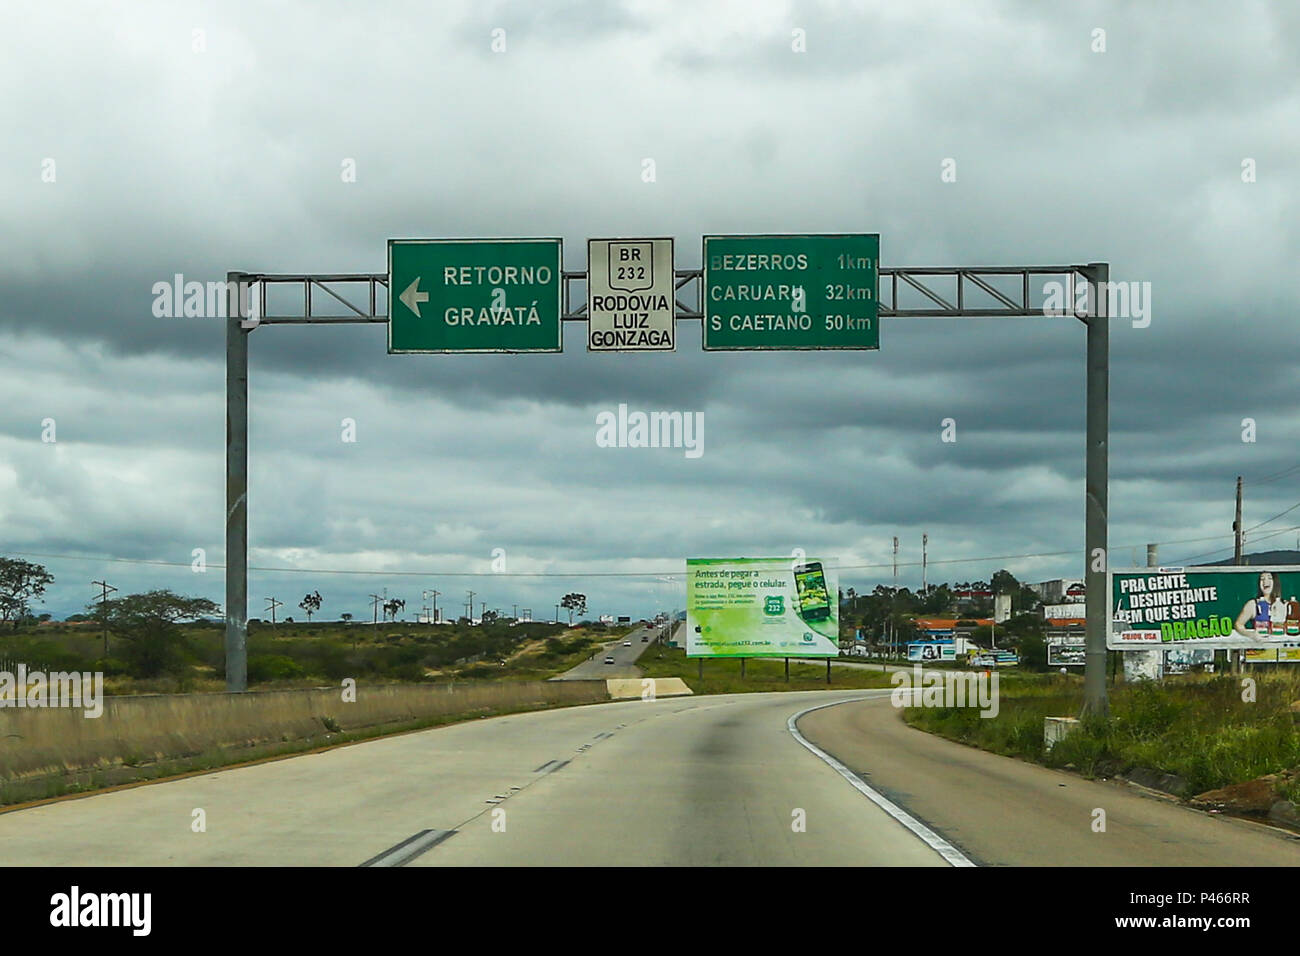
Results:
[762, 607]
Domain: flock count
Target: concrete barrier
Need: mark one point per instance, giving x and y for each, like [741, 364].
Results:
[41, 742]
[626, 688]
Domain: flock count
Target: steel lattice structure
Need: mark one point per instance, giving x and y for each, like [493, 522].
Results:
[942, 292]
[932, 291]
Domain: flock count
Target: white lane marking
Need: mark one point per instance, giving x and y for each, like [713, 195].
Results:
[935, 842]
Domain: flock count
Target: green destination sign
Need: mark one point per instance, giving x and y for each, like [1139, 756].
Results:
[791, 292]
[474, 295]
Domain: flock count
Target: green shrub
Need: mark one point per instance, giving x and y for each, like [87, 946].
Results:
[269, 667]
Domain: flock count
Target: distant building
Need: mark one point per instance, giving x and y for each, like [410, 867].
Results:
[1060, 591]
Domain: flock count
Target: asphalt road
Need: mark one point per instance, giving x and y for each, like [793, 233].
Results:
[625, 658]
[682, 781]
[1001, 811]
[679, 781]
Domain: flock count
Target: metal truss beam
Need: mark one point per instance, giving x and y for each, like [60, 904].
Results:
[905, 292]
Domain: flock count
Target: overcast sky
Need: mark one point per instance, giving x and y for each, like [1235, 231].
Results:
[147, 139]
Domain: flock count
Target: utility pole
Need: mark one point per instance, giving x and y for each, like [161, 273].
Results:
[374, 600]
[1238, 542]
[925, 543]
[271, 605]
[1237, 532]
[557, 614]
[892, 597]
[1096, 489]
[515, 613]
[469, 613]
[105, 589]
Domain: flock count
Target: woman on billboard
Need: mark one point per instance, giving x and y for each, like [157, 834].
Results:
[1268, 610]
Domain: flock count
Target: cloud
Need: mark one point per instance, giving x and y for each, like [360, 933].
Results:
[171, 159]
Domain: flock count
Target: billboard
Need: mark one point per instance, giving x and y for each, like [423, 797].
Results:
[931, 651]
[1061, 654]
[762, 607]
[1067, 612]
[1284, 654]
[1250, 607]
[1180, 660]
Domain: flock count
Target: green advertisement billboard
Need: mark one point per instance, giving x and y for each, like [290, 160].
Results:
[1251, 607]
[762, 607]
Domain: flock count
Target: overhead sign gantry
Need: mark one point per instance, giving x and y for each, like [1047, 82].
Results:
[511, 295]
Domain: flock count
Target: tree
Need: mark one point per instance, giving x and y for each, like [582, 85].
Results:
[310, 604]
[21, 583]
[1004, 582]
[1027, 599]
[489, 617]
[346, 618]
[392, 607]
[154, 644]
[937, 601]
[574, 602]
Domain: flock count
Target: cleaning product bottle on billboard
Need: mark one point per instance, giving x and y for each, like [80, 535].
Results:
[1261, 617]
[1293, 617]
[1277, 616]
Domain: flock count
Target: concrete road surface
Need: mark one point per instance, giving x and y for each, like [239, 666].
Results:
[713, 780]
[684, 781]
[1002, 811]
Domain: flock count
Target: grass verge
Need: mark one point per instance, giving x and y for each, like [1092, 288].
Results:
[1206, 730]
[134, 773]
[722, 675]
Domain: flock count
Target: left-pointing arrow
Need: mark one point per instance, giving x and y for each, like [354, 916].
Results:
[412, 297]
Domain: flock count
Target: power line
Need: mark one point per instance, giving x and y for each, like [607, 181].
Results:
[587, 574]
[1281, 474]
[1275, 517]
[1206, 554]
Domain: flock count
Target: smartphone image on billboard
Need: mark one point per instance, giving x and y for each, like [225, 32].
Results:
[810, 585]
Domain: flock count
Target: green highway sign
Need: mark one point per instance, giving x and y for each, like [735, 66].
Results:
[791, 292]
[475, 295]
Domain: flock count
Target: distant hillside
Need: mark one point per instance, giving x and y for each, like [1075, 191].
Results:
[1258, 559]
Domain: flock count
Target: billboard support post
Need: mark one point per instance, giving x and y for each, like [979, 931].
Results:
[828, 670]
[787, 670]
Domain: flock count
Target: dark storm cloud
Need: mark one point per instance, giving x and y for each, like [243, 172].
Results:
[171, 161]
